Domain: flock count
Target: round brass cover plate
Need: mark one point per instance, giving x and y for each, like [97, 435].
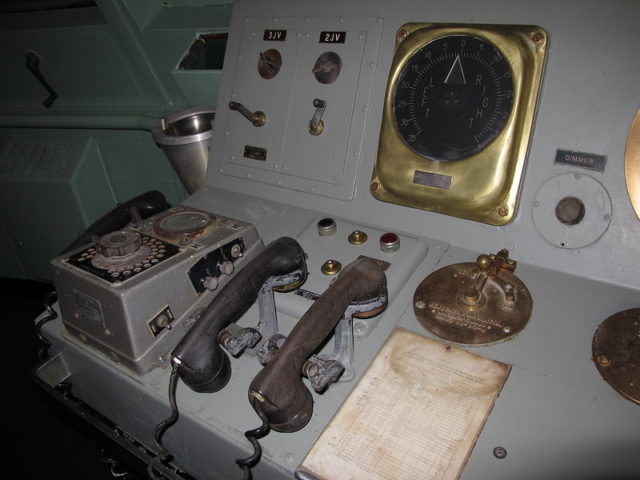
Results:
[444, 305]
[616, 352]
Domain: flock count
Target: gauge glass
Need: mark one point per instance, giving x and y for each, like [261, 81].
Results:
[453, 97]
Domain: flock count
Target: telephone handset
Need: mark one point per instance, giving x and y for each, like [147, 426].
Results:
[198, 357]
[277, 393]
[145, 205]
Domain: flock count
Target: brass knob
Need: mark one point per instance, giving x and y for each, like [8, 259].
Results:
[331, 267]
[357, 237]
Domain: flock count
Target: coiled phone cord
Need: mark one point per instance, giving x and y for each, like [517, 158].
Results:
[163, 454]
[253, 435]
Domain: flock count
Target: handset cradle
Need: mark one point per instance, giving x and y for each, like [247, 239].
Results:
[278, 393]
[201, 362]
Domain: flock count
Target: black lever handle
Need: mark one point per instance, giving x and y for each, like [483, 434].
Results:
[277, 393]
[202, 364]
[33, 64]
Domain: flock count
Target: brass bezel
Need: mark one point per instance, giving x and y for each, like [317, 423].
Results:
[632, 163]
[485, 186]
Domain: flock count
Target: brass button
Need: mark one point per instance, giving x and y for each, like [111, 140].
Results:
[331, 267]
[357, 237]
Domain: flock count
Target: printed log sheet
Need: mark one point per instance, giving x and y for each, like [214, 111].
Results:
[415, 414]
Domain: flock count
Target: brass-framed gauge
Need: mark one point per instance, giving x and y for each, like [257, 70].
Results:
[458, 114]
[632, 163]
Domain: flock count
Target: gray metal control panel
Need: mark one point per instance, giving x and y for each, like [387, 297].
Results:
[306, 89]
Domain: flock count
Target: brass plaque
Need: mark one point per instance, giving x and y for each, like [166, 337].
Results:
[459, 106]
[616, 352]
[474, 303]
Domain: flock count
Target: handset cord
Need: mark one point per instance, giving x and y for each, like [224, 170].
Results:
[253, 435]
[49, 299]
[163, 454]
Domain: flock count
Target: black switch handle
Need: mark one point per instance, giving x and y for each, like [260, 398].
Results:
[33, 64]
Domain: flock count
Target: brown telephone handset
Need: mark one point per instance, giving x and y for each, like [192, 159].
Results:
[277, 393]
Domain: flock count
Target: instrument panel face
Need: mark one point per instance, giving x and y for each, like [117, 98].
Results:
[457, 119]
[453, 97]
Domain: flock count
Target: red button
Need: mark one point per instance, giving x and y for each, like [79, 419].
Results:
[389, 242]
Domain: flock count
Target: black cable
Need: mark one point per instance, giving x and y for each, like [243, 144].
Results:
[163, 454]
[49, 299]
[246, 464]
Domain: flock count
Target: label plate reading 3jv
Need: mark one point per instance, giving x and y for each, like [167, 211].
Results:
[274, 35]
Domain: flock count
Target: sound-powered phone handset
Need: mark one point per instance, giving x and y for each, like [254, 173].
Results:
[277, 393]
[200, 361]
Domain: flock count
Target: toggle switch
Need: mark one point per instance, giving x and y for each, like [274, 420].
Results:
[316, 125]
[257, 118]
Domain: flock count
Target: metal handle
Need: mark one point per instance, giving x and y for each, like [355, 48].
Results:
[33, 64]
[316, 125]
[257, 118]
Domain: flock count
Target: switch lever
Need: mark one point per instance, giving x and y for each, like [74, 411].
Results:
[257, 118]
[33, 64]
[316, 125]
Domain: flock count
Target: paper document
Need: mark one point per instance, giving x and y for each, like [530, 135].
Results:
[415, 414]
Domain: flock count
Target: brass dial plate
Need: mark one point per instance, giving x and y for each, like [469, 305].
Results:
[185, 223]
[616, 352]
[440, 307]
[632, 163]
[483, 186]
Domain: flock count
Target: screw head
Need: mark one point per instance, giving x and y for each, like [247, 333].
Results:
[538, 39]
[500, 452]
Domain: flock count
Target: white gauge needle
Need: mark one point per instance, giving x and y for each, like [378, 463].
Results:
[456, 74]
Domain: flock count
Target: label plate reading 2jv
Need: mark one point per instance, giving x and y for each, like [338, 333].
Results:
[332, 37]
[274, 35]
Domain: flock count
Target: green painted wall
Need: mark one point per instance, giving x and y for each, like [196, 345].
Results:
[115, 68]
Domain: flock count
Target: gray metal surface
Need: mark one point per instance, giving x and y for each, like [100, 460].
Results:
[555, 417]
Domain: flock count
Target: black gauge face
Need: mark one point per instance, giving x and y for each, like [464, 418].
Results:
[453, 97]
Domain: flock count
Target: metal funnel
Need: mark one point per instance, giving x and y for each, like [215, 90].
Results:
[184, 138]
